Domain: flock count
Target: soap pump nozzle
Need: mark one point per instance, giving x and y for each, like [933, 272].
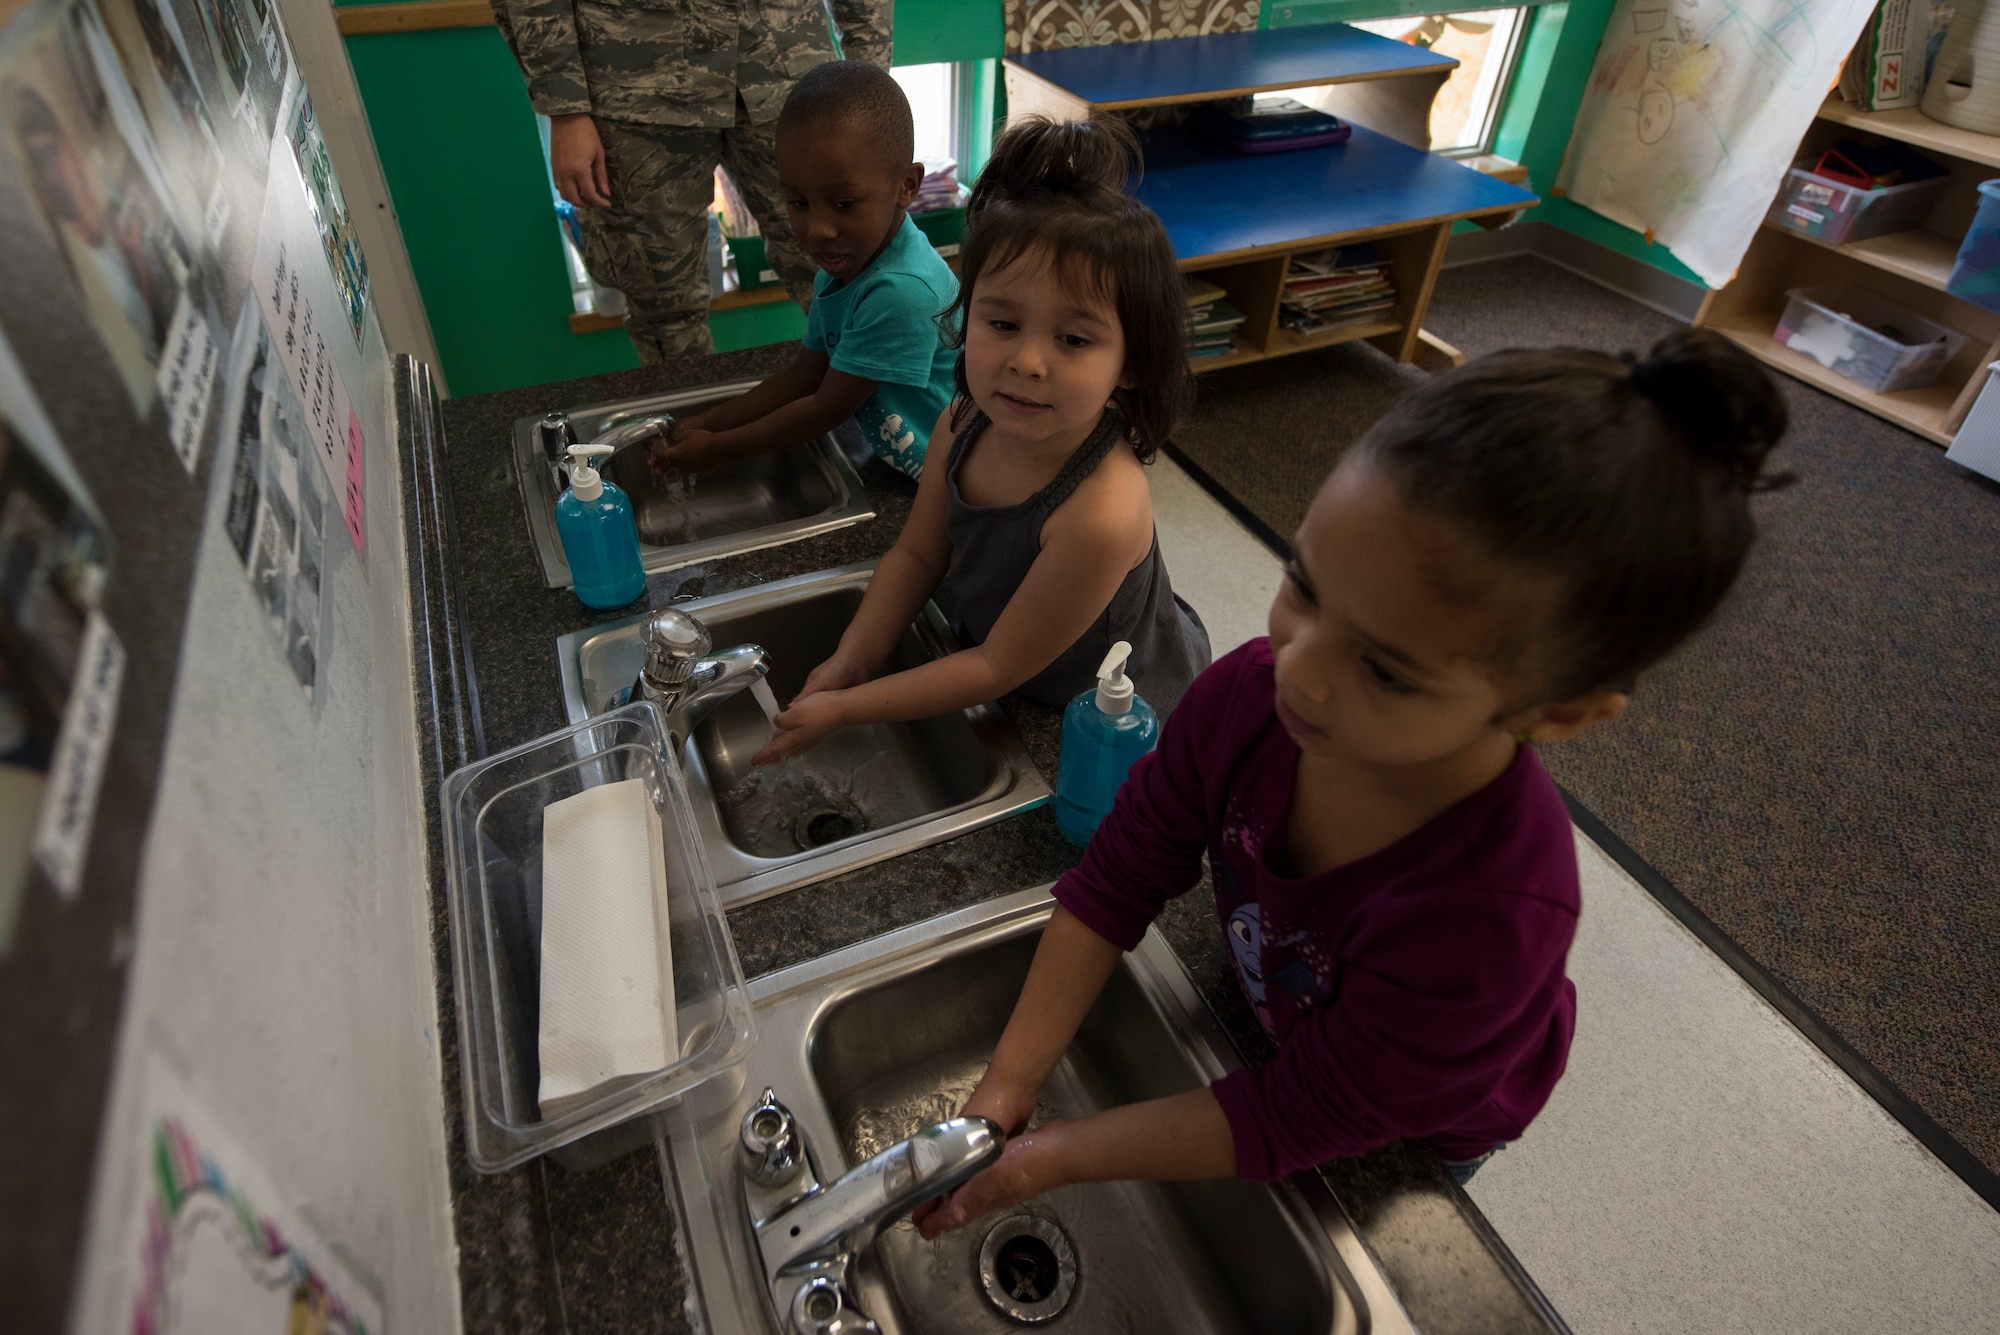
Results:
[1114, 688]
[583, 480]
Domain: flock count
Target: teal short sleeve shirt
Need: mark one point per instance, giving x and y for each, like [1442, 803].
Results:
[882, 326]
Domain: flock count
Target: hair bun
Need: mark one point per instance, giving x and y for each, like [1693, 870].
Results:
[1065, 157]
[1723, 401]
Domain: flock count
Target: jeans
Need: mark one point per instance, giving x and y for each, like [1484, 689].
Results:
[1461, 1170]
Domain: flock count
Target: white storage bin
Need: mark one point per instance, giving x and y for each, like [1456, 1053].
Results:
[1866, 338]
[1977, 444]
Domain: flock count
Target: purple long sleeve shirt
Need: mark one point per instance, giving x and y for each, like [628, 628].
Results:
[1417, 992]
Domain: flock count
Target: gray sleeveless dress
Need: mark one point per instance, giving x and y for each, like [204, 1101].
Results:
[992, 547]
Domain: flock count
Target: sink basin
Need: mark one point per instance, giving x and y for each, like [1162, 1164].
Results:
[870, 1043]
[739, 507]
[866, 793]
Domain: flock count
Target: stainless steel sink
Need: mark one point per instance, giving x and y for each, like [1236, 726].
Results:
[870, 1043]
[865, 794]
[739, 507]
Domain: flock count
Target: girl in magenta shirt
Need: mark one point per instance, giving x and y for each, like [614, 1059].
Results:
[1489, 568]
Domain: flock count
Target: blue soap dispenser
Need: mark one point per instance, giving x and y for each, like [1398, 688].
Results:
[1104, 731]
[599, 538]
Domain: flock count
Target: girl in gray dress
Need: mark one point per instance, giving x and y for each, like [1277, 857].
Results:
[1039, 525]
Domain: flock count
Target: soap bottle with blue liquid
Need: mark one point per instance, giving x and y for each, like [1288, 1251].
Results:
[1104, 731]
[599, 537]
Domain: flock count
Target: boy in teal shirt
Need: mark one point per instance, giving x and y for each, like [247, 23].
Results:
[873, 363]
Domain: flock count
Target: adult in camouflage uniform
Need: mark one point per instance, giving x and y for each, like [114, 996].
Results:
[644, 99]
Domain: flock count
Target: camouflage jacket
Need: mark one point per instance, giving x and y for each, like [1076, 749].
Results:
[680, 62]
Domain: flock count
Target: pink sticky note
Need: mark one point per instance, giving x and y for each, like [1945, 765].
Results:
[356, 505]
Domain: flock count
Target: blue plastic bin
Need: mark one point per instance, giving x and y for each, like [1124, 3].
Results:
[1975, 277]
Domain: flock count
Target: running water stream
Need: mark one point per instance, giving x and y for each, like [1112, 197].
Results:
[766, 701]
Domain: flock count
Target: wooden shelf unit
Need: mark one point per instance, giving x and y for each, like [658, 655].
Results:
[1237, 219]
[1909, 267]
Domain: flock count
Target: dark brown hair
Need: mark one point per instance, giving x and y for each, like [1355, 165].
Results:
[1057, 190]
[1628, 483]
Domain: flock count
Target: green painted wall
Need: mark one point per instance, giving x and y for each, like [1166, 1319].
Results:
[459, 148]
[463, 161]
[460, 151]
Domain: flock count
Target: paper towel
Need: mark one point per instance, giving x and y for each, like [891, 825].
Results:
[607, 971]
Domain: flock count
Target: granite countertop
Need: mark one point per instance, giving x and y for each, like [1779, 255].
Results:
[542, 1248]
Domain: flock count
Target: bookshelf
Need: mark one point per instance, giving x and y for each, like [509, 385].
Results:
[1238, 218]
[1909, 267]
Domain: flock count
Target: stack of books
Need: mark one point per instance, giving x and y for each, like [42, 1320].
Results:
[1335, 287]
[1212, 322]
[940, 189]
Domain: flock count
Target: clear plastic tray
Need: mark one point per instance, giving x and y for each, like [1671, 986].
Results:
[493, 828]
[1866, 338]
[1836, 213]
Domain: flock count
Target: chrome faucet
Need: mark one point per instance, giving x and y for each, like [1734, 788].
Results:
[555, 435]
[808, 1235]
[683, 677]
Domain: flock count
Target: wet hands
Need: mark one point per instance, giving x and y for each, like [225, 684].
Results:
[1031, 1164]
[688, 447]
[815, 712]
[1009, 1105]
[802, 727]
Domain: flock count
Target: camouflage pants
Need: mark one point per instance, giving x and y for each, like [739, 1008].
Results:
[652, 243]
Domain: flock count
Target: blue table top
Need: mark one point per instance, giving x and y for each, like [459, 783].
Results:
[1184, 68]
[1216, 202]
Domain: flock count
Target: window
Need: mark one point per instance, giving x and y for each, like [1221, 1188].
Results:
[1484, 42]
[933, 94]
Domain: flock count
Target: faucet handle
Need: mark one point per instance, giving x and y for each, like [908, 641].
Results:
[770, 1140]
[555, 435]
[675, 642]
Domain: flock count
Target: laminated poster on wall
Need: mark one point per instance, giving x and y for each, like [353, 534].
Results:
[302, 308]
[131, 227]
[210, 1243]
[60, 665]
[276, 514]
[344, 260]
[1693, 110]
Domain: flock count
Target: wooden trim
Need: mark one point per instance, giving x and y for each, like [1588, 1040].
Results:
[412, 16]
[1499, 168]
[756, 296]
[1974, 384]
[590, 322]
[1299, 245]
[1029, 94]
[1441, 71]
[1398, 107]
[1911, 126]
[1434, 354]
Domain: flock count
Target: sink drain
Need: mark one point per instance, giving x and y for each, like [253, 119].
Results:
[825, 826]
[1027, 1269]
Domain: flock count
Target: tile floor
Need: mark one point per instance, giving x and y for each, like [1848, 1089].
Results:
[1702, 1166]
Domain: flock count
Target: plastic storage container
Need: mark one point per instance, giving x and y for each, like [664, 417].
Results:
[1836, 214]
[1866, 338]
[1977, 444]
[493, 831]
[1975, 274]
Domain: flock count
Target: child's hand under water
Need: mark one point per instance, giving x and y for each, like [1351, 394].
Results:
[690, 449]
[814, 712]
[802, 727]
[1028, 1166]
